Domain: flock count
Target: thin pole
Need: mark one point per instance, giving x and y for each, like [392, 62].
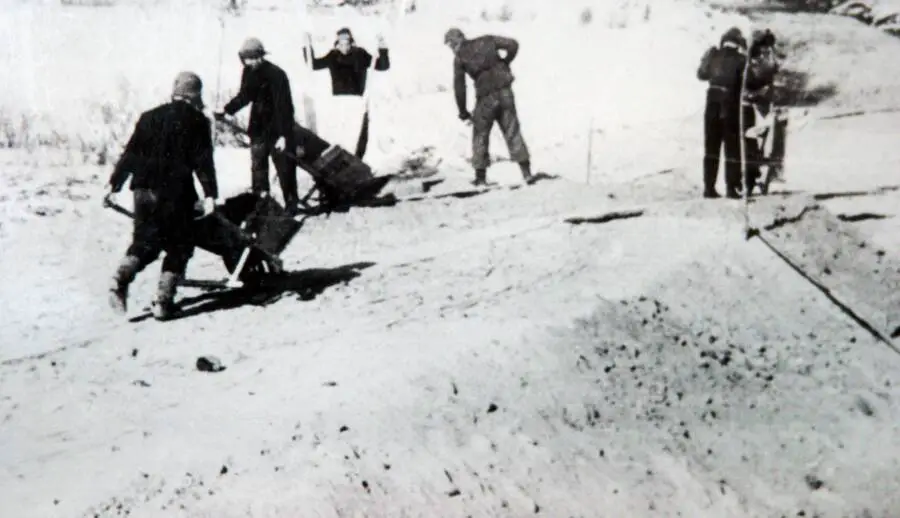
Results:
[590, 149]
[748, 229]
[218, 72]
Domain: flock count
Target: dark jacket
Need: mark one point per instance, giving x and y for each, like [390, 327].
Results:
[169, 144]
[723, 68]
[479, 59]
[761, 78]
[349, 72]
[272, 112]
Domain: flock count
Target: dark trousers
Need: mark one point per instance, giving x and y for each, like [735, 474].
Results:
[721, 128]
[261, 149]
[779, 137]
[500, 107]
[162, 225]
[752, 148]
[363, 141]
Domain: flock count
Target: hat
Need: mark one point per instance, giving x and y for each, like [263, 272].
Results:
[763, 38]
[345, 30]
[188, 86]
[252, 48]
[452, 35]
[735, 36]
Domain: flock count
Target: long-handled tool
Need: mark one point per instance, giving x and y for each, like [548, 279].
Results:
[749, 231]
[109, 204]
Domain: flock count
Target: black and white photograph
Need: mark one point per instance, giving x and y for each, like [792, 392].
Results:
[450, 259]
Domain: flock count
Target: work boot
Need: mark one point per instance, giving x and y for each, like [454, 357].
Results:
[292, 208]
[480, 177]
[710, 174]
[163, 307]
[526, 172]
[733, 194]
[118, 292]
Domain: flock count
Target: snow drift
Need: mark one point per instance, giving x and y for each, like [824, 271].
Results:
[611, 349]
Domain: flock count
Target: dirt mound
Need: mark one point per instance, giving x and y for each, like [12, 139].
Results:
[722, 384]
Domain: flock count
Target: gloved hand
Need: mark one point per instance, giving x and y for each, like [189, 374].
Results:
[464, 116]
[207, 207]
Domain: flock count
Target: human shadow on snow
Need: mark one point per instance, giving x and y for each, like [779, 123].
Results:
[776, 6]
[390, 200]
[792, 88]
[305, 284]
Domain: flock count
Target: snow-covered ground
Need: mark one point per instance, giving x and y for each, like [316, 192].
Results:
[608, 69]
[485, 356]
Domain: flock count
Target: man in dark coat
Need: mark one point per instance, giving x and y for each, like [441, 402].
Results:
[480, 59]
[349, 68]
[723, 68]
[170, 143]
[271, 130]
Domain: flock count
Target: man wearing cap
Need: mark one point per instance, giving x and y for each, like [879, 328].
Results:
[349, 65]
[271, 129]
[723, 68]
[169, 144]
[480, 59]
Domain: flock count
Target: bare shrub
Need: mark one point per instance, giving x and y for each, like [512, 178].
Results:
[504, 14]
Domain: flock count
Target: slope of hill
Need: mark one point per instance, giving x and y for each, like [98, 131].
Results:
[498, 355]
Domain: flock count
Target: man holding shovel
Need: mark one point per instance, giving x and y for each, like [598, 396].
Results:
[169, 144]
[479, 58]
[265, 86]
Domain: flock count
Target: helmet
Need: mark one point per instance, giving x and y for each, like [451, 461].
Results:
[252, 48]
[453, 35]
[188, 86]
[735, 36]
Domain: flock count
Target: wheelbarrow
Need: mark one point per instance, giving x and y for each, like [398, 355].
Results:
[340, 179]
[249, 233]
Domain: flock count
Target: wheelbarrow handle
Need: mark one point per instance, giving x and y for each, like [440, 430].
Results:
[118, 208]
[243, 131]
[122, 210]
[233, 125]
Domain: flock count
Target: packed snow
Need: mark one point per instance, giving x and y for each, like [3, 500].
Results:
[607, 344]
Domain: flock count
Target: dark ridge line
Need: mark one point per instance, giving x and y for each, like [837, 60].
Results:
[864, 216]
[853, 194]
[11, 362]
[606, 218]
[844, 308]
[784, 221]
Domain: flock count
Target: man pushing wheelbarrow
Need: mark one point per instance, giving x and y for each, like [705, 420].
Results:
[340, 178]
[171, 143]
